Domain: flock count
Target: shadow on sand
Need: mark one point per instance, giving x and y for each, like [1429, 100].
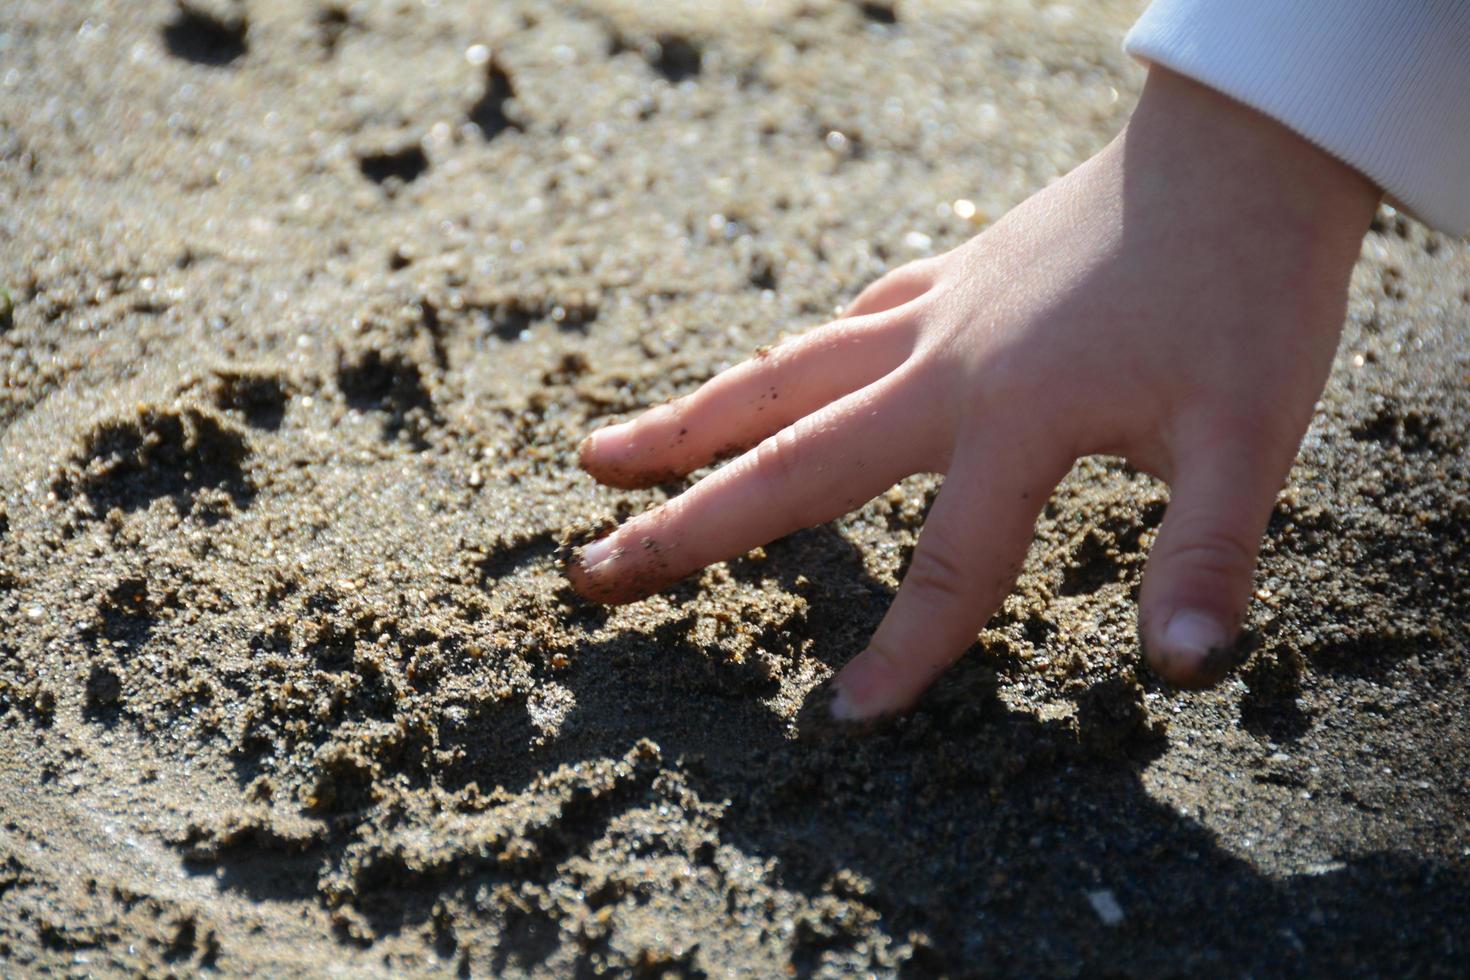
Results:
[982, 828]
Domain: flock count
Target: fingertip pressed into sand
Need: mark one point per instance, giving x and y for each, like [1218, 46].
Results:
[612, 572]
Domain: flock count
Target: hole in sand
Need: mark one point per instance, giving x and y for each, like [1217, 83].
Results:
[405, 164]
[879, 11]
[488, 114]
[675, 58]
[206, 38]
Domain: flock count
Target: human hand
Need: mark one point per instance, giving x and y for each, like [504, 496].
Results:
[1176, 300]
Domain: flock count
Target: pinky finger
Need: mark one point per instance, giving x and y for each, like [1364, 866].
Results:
[893, 289]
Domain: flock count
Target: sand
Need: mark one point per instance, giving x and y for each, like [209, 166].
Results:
[312, 303]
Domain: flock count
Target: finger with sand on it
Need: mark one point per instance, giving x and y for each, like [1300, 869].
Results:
[1197, 582]
[738, 408]
[969, 553]
[817, 469]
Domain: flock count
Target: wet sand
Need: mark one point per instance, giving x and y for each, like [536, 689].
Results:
[312, 304]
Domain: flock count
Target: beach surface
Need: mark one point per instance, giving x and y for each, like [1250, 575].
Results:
[309, 306]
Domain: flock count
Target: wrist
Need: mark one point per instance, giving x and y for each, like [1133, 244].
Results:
[1191, 146]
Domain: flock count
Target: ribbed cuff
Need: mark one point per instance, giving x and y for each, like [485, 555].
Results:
[1384, 85]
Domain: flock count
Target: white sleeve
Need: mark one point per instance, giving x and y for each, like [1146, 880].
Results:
[1384, 85]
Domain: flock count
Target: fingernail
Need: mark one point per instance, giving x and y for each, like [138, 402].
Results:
[597, 552]
[1193, 634]
[841, 706]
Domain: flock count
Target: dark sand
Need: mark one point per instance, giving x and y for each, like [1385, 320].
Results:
[310, 312]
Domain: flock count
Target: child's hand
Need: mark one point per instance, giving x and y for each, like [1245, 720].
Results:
[1176, 301]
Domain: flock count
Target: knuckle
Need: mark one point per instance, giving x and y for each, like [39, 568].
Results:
[775, 460]
[672, 415]
[1213, 552]
[938, 576]
[881, 652]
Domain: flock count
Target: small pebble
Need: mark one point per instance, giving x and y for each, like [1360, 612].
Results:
[918, 241]
[1105, 904]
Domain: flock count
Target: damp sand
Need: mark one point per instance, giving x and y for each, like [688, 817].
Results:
[311, 306]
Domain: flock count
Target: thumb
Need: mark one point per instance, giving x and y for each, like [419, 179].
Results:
[1198, 579]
